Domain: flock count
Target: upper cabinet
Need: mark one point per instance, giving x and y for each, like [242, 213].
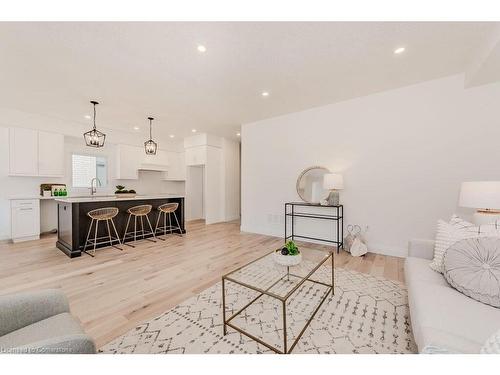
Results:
[177, 167]
[196, 155]
[131, 159]
[158, 162]
[50, 154]
[128, 159]
[35, 153]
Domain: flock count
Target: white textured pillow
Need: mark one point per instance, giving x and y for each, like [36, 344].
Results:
[472, 266]
[457, 229]
[492, 345]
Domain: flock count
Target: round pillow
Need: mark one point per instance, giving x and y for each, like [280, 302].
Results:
[472, 266]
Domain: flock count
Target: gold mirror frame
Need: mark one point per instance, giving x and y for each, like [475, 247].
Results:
[297, 185]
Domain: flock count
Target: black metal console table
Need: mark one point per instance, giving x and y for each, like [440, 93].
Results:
[337, 216]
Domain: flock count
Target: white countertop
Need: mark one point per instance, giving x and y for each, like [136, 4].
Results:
[30, 197]
[109, 198]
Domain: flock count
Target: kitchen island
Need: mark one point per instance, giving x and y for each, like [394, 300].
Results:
[73, 222]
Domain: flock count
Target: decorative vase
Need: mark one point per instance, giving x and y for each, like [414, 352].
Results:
[287, 260]
[333, 198]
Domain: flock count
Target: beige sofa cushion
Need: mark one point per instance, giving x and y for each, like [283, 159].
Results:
[58, 325]
[472, 266]
[441, 316]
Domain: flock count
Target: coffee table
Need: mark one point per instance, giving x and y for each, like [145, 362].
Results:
[265, 278]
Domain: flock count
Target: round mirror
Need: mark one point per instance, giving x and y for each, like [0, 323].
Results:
[310, 185]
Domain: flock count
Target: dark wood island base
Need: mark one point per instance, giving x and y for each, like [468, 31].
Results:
[73, 222]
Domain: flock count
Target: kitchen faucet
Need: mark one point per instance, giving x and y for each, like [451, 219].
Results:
[93, 189]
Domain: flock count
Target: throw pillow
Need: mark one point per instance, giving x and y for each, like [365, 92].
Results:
[472, 266]
[492, 345]
[456, 230]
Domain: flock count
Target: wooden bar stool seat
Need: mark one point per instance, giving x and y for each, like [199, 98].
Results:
[102, 214]
[139, 212]
[167, 209]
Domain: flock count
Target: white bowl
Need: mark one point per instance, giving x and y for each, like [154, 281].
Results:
[287, 260]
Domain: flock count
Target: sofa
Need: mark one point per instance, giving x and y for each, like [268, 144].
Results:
[40, 322]
[443, 319]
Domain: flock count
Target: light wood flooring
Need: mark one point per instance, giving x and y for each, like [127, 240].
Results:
[117, 290]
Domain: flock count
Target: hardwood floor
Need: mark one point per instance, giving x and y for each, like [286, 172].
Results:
[117, 290]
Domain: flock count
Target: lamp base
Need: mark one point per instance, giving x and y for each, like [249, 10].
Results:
[485, 216]
[333, 198]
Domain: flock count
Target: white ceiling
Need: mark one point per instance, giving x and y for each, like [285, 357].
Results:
[140, 69]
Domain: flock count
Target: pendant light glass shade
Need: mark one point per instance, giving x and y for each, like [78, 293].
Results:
[150, 146]
[94, 138]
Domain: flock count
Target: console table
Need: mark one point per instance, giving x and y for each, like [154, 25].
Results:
[333, 213]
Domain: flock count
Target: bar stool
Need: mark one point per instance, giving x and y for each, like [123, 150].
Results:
[138, 212]
[167, 209]
[102, 214]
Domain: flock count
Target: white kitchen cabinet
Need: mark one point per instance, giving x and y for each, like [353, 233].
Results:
[177, 167]
[155, 162]
[50, 154]
[25, 219]
[35, 153]
[23, 152]
[196, 155]
[128, 161]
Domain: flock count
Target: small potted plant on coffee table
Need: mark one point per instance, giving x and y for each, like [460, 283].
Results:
[289, 255]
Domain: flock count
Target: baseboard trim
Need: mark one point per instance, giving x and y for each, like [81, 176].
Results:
[375, 248]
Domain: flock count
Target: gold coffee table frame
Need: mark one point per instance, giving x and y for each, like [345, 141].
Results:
[283, 299]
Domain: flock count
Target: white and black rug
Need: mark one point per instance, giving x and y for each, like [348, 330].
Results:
[367, 314]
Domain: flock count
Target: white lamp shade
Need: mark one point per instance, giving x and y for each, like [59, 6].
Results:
[333, 181]
[480, 194]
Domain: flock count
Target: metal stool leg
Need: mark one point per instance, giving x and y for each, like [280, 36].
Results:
[157, 225]
[135, 229]
[164, 223]
[88, 235]
[117, 236]
[150, 227]
[95, 237]
[178, 226]
[126, 229]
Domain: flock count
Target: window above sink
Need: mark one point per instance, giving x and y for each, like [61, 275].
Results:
[86, 167]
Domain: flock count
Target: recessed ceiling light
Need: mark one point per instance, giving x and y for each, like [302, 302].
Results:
[201, 48]
[238, 134]
[172, 136]
[265, 93]
[87, 117]
[399, 50]
[193, 130]
[136, 128]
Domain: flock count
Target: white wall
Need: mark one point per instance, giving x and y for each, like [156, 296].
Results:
[214, 186]
[403, 154]
[231, 172]
[148, 183]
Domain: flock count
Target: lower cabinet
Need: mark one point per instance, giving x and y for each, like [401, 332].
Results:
[25, 219]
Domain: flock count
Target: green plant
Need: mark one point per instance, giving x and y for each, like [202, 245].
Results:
[121, 189]
[292, 248]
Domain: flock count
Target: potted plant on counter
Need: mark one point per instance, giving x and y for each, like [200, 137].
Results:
[289, 255]
[122, 193]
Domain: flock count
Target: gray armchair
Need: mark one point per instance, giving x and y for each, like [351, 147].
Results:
[40, 322]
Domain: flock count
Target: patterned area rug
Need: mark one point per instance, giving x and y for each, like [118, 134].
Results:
[367, 314]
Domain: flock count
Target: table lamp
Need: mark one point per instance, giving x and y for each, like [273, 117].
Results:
[484, 196]
[333, 182]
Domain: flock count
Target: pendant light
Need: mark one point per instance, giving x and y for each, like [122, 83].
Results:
[150, 146]
[94, 138]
